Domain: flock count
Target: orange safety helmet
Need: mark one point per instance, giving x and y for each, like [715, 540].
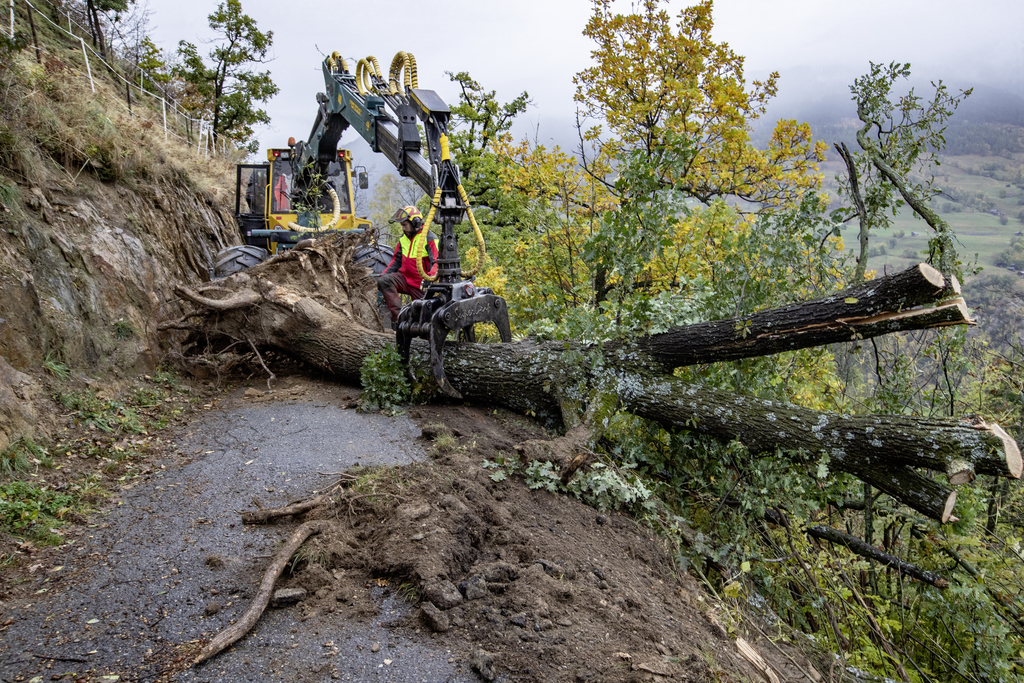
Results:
[408, 213]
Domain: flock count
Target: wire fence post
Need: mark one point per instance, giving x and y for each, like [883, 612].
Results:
[32, 25]
[87, 67]
[12, 19]
[163, 106]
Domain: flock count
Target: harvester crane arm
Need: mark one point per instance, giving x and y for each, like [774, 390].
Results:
[385, 113]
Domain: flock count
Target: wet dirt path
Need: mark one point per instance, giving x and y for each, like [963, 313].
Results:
[144, 580]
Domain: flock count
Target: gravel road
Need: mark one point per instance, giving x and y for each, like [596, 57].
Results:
[141, 581]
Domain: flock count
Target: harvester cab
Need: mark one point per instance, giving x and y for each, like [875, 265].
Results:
[276, 206]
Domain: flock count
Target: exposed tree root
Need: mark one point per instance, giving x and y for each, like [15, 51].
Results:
[266, 514]
[233, 633]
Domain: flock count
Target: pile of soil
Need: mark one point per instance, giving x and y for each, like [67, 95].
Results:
[529, 585]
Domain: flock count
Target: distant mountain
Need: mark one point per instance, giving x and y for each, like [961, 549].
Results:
[821, 96]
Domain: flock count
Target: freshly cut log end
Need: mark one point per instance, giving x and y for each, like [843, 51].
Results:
[959, 472]
[947, 512]
[1014, 464]
[965, 312]
[933, 275]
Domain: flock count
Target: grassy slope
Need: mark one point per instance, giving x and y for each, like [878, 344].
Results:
[980, 233]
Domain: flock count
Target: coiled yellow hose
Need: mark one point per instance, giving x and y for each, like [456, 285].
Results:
[403, 61]
[334, 220]
[365, 68]
[479, 236]
[336, 59]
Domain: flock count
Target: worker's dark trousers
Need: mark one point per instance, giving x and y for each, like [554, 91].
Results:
[393, 284]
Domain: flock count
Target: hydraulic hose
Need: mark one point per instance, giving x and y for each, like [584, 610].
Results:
[334, 219]
[421, 237]
[479, 235]
[334, 60]
[366, 70]
[403, 61]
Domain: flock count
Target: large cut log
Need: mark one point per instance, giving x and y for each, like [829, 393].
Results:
[881, 450]
[888, 304]
[852, 442]
[298, 314]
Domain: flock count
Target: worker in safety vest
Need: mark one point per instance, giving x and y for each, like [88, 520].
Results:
[401, 275]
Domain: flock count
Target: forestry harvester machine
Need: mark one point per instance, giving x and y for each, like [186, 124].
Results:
[386, 113]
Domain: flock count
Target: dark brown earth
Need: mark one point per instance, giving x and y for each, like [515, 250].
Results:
[518, 584]
[529, 585]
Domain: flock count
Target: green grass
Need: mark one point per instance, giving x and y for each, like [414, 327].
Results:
[106, 415]
[978, 232]
[30, 510]
[55, 368]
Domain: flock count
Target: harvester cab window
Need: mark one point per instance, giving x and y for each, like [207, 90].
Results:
[255, 190]
[280, 188]
[337, 180]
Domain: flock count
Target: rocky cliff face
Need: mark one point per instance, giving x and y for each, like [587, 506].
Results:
[86, 271]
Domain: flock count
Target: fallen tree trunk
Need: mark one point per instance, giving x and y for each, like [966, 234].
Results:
[866, 550]
[889, 304]
[291, 304]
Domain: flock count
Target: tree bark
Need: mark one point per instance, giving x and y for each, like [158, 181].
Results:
[862, 212]
[312, 305]
[874, 308]
[864, 550]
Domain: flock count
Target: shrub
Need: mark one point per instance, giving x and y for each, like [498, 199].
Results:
[385, 385]
[28, 509]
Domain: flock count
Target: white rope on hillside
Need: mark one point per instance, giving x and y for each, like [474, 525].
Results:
[203, 124]
[137, 112]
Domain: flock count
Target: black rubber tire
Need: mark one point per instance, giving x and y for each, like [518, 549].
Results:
[234, 259]
[376, 257]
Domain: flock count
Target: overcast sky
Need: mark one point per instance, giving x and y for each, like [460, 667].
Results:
[537, 45]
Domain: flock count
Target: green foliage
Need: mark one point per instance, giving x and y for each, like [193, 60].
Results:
[55, 368]
[123, 329]
[21, 455]
[385, 386]
[1014, 253]
[30, 510]
[9, 46]
[898, 138]
[308, 194]
[478, 120]
[106, 415]
[8, 194]
[603, 485]
[228, 89]
[153, 62]
[624, 250]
